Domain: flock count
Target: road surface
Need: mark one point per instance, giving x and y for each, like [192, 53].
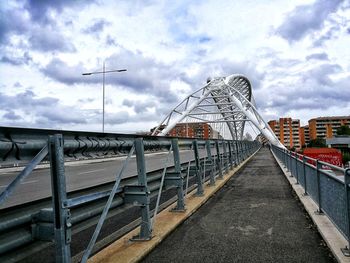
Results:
[82, 175]
[255, 217]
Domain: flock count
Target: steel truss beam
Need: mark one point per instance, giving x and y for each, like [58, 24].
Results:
[225, 102]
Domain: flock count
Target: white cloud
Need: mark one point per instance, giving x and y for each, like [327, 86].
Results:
[169, 49]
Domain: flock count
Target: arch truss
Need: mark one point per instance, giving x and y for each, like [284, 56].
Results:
[226, 104]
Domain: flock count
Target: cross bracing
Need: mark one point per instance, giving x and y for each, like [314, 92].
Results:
[226, 103]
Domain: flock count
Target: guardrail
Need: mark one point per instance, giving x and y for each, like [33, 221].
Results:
[330, 192]
[33, 227]
[19, 145]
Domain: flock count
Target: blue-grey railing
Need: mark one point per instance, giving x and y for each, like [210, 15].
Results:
[19, 145]
[319, 180]
[54, 224]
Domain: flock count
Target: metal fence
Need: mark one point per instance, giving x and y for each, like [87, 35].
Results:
[326, 184]
[32, 227]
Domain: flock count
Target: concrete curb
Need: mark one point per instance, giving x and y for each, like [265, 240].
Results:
[124, 250]
[331, 235]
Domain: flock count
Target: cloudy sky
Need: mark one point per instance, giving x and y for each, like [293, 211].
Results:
[296, 54]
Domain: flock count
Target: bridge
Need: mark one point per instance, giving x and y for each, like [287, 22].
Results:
[69, 196]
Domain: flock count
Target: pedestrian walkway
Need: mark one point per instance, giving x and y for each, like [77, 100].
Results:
[255, 217]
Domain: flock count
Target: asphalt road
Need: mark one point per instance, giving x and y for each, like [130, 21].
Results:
[255, 217]
[80, 175]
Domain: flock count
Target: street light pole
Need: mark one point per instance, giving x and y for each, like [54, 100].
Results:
[103, 96]
[103, 87]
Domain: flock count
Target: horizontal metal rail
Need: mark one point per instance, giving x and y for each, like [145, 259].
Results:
[330, 192]
[18, 146]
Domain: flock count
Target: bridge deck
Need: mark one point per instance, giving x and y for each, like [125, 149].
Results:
[254, 218]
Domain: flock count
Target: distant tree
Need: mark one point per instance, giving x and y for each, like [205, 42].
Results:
[346, 157]
[343, 130]
[317, 143]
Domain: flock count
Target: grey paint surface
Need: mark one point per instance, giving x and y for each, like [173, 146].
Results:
[254, 218]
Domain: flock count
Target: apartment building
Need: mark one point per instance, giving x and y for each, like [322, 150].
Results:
[326, 127]
[304, 135]
[194, 130]
[287, 131]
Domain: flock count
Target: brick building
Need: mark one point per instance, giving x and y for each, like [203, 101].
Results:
[326, 127]
[304, 135]
[287, 131]
[194, 130]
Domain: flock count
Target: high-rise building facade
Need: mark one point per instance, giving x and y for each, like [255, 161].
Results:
[304, 135]
[326, 127]
[287, 131]
[194, 130]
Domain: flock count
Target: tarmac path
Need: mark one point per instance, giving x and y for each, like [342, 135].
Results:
[255, 217]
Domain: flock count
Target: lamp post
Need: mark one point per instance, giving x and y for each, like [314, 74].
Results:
[103, 72]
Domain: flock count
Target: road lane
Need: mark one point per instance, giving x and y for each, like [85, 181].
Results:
[38, 184]
[29, 182]
[92, 171]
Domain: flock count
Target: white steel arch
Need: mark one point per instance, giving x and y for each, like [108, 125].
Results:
[226, 103]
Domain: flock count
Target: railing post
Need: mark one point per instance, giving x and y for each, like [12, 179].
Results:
[230, 154]
[211, 162]
[225, 158]
[180, 191]
[146, 226]
[61, 215]
[292, 155]
[290, 164]
[304, 172]
[318, 174]
[236, 153]
[346, 250]
[218, 160]
[222, 157]
[285, 158]
[244, 150]
[247, 149]
[200, 190]
[296, 168]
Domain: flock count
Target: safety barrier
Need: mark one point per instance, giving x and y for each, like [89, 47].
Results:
[53, 221]
[19, 145]
[329, 191]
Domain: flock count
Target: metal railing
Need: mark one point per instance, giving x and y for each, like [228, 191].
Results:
[53, 222]
[319, 180]
[19, 145]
